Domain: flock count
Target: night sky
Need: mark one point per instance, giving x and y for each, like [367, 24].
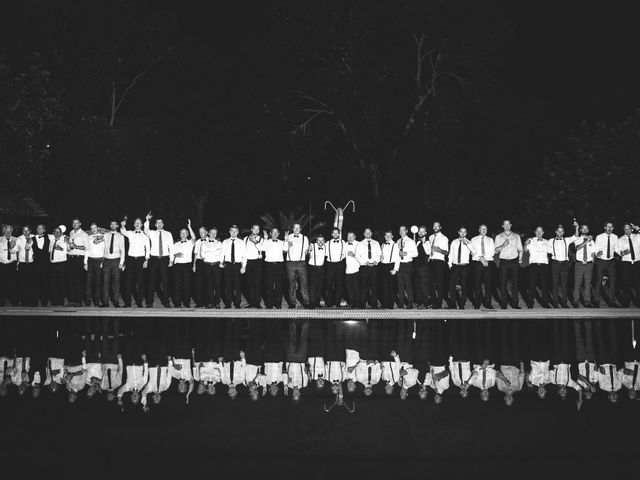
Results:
[219, 105]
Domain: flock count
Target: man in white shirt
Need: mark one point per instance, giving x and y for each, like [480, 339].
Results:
[315, 271]
[199, 268]
[459, 258]
[583, 271]
[422, 269]
[334, 270]
[93, 258]
[274, 249]
[483, 249]
[538, 269]
[605, 265]
[26, 272]
[483, 377]
[137, 377]
[112, 376]
[182, 267]
[297, 246]
[368, 255]
[508, 246]
[352, 271]
[610, 380]
[212, 258]
[137, 261]
[161, 255]
[629, 249]
[509, 380]
[112, 265]
[254, 246]
[296, 378]
[630, 378]
[389, 266]
[8, 261]
[76, 276]
[407, 251]
[234, 262]
[41, 264]
[58, 255]
[560, 264]
[439, 244]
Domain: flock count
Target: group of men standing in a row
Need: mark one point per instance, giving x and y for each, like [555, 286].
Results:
[86, 267]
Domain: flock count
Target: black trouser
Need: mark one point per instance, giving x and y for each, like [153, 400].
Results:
[585, 349]
[602, 268]
[232, 292]
[559, 280]
[58, 283]
[26, 274]
[111, 281]
[438, 275]
[42, 278]
[352, 282]
[538, 276]
[630, 279]
[94, 276]
[8, 283]
[509, 270]
[213, 284]
[135, 276]
[316, 282]
[181, 284]
[158, 270]
[334, 283]
[369, 285]
[422, 279]
[387, 285]
[459, 274]
[510, 341]
[481, 275]
[200, 296]
[405, 284]
[76, 277]
[273, 278]
[297, 269]
[253, 274]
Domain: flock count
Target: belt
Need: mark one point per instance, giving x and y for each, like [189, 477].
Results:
[159, 257]
[211, 263]
[537, 263]
[96, 258]
[135, 258]
[75, 255]
[559, 261]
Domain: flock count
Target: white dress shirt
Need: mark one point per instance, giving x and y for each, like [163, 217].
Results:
[211, 251]
[79, 238]
[20, 365]
[410, 377]
[609, 378]
[438, 240]
[336, 251]
[510, 251]
[317, 255]
[561, 376]
[588, 370]
[539, 249]
[540, 374]
[362, 252]
[489, 248]
[24, 255]
[625, 242]
[352, 264]
[240, 255]
[391, 371]
[458, 247]
[589, 249]
[316, 367]
[559, 248]
[118, 246]
[297, 251]
[54, 363]
[368, 373]
[55, 255]
[180, 369]
[252, 374]
[254, 249]
[514, 375]
[296, 375]
[8, 254]
[601, 245]
[207, 372]
[94, 370]
[631, 375]
[483, 377]
[390, 254]
[137, 378]
[439, 386]
[238, 372]
[273, 372]
[77, 377]
[274, 251]
[185, 247]
[139, 243]
[335, 371]
[159, 381]
[460, 371]
[112, 376]
[154, 237]
[95, 247]
[407, 245]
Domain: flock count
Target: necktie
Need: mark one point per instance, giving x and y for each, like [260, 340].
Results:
[111, 244]
[633, 254]
[482, 246]
[460, 372]
[484, 377]
[459, 251]
[608, 246]
[231, 365]
[109, 378]
[160, 249]
[54, 248]
[8, 250]
[369, 249]
[233, 253]
[584, 251]
[26, 254]
[611, 376]
[369, 376]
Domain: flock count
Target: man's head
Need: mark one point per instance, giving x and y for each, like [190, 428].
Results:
[295, 395]
[584, 230]
[253, 394]
[559, 231]
[57, 233]
[320, 383]
[36, 390]
[436, 227]
[351, 386]
[562, 391]
[437, 399]
[201, 388]
[462, 233]
[7, 230]
[110, 396]
[608, 227]
[402, 230]
[484, 395]
[137, 224]
[297, 228]
[233, 392]
[464, 391]
[53, 386]
[76, 224]
[335, 388]
[388, 236]
[26, 230]
[113, 225]
[159, 224]
[320, 240]
[627, 229]
[273, 389]
[72, 397]
[508, 399]
[40, 229]
[182, 386]
[422, 393]
[275, 233]
[368, 233]
[157, 396]
[613, 397]
[632, 394]
[255, 229]
[422, 231]
[388, 388]
[213, 233]
[368, 389]
[351, 237]
[184, 234]
[404, 393]
[539, 232]
[587, 394]
[482, 229]
[211, 388]
[541, 392]
[233, 231]
[135, 397]
[202, 232]
[91, 391]
[506, 225]
[335, 234]
[94, 228]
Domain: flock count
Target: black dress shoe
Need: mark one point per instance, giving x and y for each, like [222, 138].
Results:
[126, 305]
[588, 305]
[489, 307]
[575, 305]
[150, 305]
[516, 307]
[104, 305]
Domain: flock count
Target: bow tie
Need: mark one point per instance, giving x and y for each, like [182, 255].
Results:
[559, 238]
[336, 241]
[137, 231]
[320, 248]
[387, 243]
[539, 239]
[274, 239]
[296, 236]
[350, 243]
[183, 241]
